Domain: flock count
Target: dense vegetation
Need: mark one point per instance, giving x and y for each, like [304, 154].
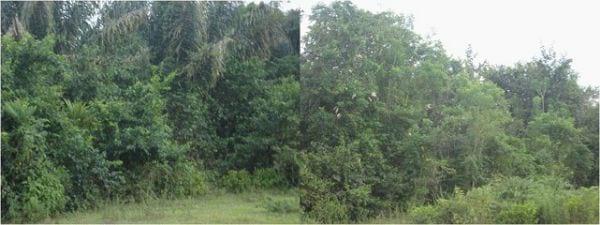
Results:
[132, 100]
[390, 122]
[137, 101]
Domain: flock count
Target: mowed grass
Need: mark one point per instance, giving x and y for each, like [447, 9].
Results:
[213, 208]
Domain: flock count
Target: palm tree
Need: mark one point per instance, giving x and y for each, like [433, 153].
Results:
[69, 21]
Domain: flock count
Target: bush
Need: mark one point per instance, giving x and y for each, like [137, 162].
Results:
[582, 206]
[335, 177]
[424, 214]
[267, 178]
[458, 209]
[93, 176]
[41, 196]
[32, 186]
[237, 181]
[362, 205]
[163, 180]
[184, 180]
[287, 164]
[514, 200]
[241, 180]
[518, 214]
[329, 210]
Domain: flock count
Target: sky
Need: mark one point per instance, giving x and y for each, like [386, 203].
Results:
[500, 32]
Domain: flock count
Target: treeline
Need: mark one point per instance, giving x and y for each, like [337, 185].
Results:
[391, 123]
[134, 100]
[130, 100]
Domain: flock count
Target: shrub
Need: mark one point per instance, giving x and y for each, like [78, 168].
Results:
[549, 194]
[163, 180]
[362, 205]
[518, 213]
[241, 180]
[184, 180]
[41, 196]
[287, 163]
[582, 206]
[93, 176]
[550, 210]
[32, 186]
[267, 178]
[237, 181]
[335, 177]
[457, 209]
[329, 210]
[212, 179]
[514, 200]
[424, 214]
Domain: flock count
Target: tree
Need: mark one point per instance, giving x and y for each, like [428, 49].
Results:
[559, 146]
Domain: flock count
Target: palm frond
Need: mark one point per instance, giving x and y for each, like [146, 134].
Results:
[212, 56]
[37, 16]
[128, 23]
[16, 29]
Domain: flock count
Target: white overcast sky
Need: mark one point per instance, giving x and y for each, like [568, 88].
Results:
[499, 31]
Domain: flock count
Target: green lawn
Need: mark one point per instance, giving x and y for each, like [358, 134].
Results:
[212, 208]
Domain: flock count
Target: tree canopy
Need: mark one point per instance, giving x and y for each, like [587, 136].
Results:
[390, 121]
[135, 99]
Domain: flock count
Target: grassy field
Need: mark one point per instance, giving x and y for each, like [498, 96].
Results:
[254, 207]
[390, 218]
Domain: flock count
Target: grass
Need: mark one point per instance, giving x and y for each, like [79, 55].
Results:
[250, 207]
[394, 216]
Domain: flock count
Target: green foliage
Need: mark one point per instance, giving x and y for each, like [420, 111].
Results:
[329, 211]
[581, 206]
[233, 102]
[373, 119]
[513, 200]
[288, 163]
[70, 22]
[558, 145]
[176, 29]
[39, 196]
[32, 186]
[281, 205]
[112, 111]
[267, 178]
[518, 213]
[346, 181]
[388, 120]
[241, 180]
[424, 214]
[237, 181]
[167, 180]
